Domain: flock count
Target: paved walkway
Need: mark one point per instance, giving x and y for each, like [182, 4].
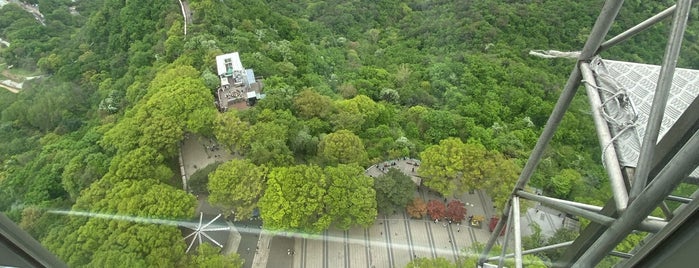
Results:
[395, 240]
[187, 14]
[408, 166]
[199, 152]
[11, 89]
[392, 241]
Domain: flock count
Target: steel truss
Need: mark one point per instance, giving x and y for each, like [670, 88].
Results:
[636, 192]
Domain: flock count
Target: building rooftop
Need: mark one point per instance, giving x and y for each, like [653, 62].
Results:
[239, 87]
[226, 64]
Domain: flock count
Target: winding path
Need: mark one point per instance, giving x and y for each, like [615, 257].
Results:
[11, 89]
[186, 13]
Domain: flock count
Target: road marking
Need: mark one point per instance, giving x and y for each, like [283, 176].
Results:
[347, 249]
[472, 234]
[452, 238]
[389, 248]
[550, 221]
[325, 248]
[367, 247]
[483, 204]
[305, 251]
[431, 239]
[410, 236]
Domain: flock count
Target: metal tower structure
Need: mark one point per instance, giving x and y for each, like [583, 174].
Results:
[646, 118]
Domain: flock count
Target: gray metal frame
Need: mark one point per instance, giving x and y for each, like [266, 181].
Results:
[18, 248]
[659, 170]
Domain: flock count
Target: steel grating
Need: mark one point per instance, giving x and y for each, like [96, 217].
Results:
[627, 89]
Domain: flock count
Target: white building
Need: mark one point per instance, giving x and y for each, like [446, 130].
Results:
[237, 83]
[230, 69]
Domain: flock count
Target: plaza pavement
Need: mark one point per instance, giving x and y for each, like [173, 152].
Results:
[197, 153]
[392, 241]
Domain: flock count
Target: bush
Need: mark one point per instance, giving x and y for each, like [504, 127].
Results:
[198, 181]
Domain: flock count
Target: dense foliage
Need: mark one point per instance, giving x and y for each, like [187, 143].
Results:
[348, 84]
[393, 191]
[236, 186]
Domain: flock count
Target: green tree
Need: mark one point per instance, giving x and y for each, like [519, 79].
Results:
[389, 95]
[273, 153]
[304, 145]
[563, 183]
[342, 147]
[295, 199]
[357, 113]
[209, 256]
[236, 186]
[560, 236]
[230, 131]
[176, 101]
[309, 104]
[106, 237]
[141, 162]
[452, 166]
[199, 181]
[351, 198]
[394, 190]
[267, 143]
[347, 119]
[499, 176]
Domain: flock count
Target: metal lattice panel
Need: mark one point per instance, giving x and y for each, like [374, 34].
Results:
[639, 82]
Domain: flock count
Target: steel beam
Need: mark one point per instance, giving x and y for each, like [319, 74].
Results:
[662, 90]
[637, 29]
[677, 135]
[504, 243]
[692, 180]
[574, 204]
[18, 248]
[611, 161]
[586, 238]
[678, 199]
[672, 141]
[684, 162]
[551, 125]
[620, 254]
[535, 250]
[682, 214]
[553, 200]
[518, 232]
[666, 210]
[647, 225]
[599, 31]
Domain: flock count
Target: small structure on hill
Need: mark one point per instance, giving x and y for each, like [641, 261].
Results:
[239, 86]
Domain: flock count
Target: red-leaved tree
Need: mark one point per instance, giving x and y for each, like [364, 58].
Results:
[436, 209]
[417, 209]
[456, 210]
